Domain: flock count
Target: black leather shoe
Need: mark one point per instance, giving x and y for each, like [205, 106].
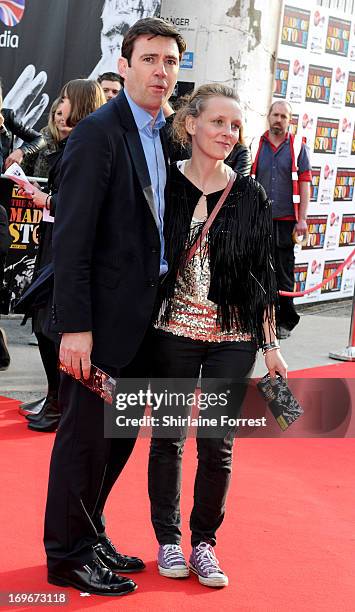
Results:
[29, 409]
[108, 554]
[49, 405]
[93, 578]
[48, 419]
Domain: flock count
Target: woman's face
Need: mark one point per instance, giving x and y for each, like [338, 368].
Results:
[60, 117]
[216, 131]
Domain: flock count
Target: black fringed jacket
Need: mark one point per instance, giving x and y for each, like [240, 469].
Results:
[240, 250]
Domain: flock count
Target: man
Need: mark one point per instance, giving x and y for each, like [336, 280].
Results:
[110, 83]
[283, 167]
[108, 255]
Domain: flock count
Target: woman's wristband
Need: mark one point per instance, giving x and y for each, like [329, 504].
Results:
[269, 346]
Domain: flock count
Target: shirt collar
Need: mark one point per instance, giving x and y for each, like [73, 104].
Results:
[274, 148]
[142, 117]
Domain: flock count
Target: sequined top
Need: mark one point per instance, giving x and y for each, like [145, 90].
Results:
[193, 315]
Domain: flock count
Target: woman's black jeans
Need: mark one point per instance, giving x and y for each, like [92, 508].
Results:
[181, 359]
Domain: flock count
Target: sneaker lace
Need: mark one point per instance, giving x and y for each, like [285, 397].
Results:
[174, 554]
[206, 558]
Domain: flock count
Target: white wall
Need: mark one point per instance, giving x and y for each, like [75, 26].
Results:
[233, 42]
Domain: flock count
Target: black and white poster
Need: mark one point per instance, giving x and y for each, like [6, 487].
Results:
[43, 45]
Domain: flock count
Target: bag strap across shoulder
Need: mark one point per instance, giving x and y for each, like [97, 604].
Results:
[211, 218]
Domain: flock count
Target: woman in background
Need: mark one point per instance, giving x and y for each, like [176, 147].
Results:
[53, 133]
[79, 98]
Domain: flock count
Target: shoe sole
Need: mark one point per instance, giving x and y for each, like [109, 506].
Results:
[41, 430]
[68, 583]
[176, 573]
[211, 582]
[125, 571]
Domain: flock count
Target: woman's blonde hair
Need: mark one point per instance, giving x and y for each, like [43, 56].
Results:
[52, 128]
[194, 104]
[85, 97]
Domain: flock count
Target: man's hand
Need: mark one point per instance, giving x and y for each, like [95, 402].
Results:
[15, 156]
[75, 351]
[301, 227]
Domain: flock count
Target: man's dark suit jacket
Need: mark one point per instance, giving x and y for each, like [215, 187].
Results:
[106, 240]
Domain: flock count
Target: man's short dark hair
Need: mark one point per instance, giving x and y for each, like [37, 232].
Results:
[280, 102]
[108, 76]
[150, 26]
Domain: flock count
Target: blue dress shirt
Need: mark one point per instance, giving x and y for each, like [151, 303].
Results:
[148, 130]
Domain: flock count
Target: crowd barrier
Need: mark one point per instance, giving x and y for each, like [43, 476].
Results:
[347, 354]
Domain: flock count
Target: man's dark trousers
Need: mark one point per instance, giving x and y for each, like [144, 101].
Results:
[284, 266]
[74, 511]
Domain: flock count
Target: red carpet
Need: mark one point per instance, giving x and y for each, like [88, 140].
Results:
[287, 542]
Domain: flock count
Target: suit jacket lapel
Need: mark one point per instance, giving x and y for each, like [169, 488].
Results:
[164, 141]
[136, 150]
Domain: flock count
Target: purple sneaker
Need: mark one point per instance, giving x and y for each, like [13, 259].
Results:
[171, 561]
[204, 563]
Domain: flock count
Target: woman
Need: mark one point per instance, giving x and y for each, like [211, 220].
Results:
[216, 310]
[37, 165]
[79, 97]
[53, 134]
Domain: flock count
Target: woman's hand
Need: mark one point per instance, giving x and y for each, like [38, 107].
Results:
[38, 197]
[275, 363]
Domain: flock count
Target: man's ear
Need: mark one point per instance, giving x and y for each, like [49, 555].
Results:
[190, 125]
[122, 66]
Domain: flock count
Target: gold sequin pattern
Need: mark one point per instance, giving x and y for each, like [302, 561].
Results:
[193, 315]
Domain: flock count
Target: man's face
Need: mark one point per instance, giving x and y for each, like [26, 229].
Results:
[279, 119]
[152, 74]
[111, 89]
